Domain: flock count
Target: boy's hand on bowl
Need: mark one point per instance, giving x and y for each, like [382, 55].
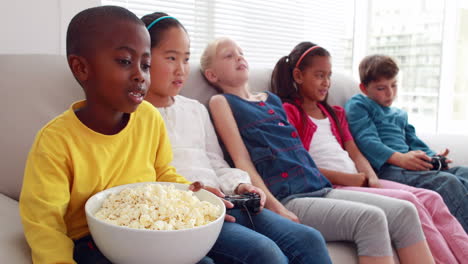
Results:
[196, 186]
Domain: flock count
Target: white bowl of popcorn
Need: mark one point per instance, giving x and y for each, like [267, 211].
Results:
[155, 222]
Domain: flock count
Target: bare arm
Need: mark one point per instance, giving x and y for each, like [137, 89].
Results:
[226, 126]
[362, 164]
[228, 178]
[344, 178]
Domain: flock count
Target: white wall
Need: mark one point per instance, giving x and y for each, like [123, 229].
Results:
[32, 26]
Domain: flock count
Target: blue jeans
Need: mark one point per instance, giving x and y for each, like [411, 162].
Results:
[451, 184]
[86, 252]
[275, 240]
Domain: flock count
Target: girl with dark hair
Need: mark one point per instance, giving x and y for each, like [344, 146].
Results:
[265, 237]
[260, 141]
[302, 81]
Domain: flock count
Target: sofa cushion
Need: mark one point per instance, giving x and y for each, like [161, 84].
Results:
[35, 89]
[196, 87]
[342, 252]
[13, 246]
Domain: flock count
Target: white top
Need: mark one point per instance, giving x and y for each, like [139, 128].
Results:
[197, 154]
[326, 151]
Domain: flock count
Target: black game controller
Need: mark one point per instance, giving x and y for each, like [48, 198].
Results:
[439, 162]
[249, 201]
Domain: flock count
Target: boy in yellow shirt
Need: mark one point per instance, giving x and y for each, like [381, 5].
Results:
[111, 138]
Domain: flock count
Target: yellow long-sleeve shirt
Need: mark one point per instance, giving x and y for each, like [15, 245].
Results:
[69, 162]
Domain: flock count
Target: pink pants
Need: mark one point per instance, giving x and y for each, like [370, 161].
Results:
[445, 236]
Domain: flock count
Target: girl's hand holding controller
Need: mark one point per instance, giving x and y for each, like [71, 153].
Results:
[249, 188]
[247, 201]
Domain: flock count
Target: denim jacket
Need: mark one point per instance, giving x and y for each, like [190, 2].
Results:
[276, 149]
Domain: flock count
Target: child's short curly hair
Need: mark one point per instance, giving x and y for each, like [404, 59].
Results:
[87, 27]
[375, 67]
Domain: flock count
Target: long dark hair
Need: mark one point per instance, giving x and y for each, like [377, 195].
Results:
[160, 27]
[283, 84]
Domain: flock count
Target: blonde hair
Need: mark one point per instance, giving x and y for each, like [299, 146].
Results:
[210, 51]
[207, 59]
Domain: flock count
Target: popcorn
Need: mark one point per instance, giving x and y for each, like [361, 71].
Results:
[157, 207]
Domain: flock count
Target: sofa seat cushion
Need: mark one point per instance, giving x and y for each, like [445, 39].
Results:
[13, 246]
[342, 252]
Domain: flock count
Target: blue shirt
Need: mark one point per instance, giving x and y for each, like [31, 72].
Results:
[276, 149]
[380, 131]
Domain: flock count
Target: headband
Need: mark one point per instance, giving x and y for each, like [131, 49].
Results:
[159, 19]
[304, 54]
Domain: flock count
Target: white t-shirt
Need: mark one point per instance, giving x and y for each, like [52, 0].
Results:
[326, 151]
[197, 154]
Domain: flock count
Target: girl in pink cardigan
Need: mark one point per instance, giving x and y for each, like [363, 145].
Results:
[302, 80]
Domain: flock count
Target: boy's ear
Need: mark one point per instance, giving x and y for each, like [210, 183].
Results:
[297, 75]
[79, 67]
[363, 88]
[210, 76]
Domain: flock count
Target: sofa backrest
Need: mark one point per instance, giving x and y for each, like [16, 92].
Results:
[35, 89]
[342, 86]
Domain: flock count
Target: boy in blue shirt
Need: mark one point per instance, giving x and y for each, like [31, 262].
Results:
[390, 143]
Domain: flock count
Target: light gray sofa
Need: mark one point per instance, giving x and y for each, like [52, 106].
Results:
[36, 88]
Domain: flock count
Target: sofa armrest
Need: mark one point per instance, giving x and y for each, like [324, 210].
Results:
[13, 246]
[456, 143]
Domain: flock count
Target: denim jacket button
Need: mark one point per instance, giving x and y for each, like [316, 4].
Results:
[294, 134]
[271, 111]
[284, 174]
[261, 104]
[280, 124]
